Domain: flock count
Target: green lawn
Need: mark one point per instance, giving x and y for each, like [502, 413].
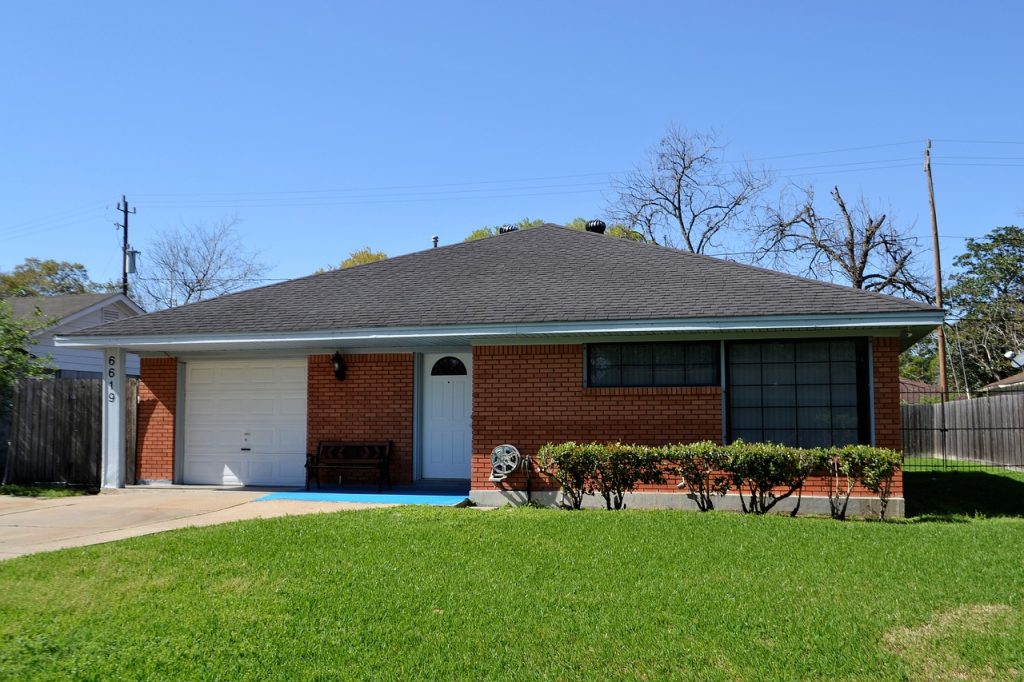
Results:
[40, 491]
[525, 594]
[933, 490]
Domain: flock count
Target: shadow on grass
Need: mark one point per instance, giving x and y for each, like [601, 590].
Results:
[946, 495]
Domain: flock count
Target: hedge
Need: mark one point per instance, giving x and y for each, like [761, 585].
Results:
[762, 474]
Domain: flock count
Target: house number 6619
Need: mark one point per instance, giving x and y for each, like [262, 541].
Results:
[111, 372]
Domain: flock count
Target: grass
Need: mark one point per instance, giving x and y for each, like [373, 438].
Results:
[933, 490]
[40, 491]
[434, 593]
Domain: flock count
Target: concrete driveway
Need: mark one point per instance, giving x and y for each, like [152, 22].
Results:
[29, 525]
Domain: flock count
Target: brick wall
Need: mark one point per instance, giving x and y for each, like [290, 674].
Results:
[373, 403]
[885, 359]
[529, 395]
[158, 392]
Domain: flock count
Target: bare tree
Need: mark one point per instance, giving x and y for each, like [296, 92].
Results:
[684, 194]
[194, 262]
[858, 246]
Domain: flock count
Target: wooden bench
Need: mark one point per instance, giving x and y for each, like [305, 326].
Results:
[346, 456]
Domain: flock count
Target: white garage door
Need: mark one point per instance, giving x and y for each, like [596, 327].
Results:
[245, 422]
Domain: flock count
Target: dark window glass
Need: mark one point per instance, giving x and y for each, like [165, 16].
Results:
[448, 366]
[653, 364]
[807, 393]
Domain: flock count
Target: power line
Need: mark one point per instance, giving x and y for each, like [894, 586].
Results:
[390, 187]
[371, 201]
[1012, 142]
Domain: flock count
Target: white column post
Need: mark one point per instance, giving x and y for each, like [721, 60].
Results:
[115, 386]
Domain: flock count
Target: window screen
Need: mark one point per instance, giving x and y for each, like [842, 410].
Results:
[653, 364]
[808, 393]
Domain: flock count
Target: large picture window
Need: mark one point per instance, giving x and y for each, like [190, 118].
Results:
[674, 363]
[807, 393]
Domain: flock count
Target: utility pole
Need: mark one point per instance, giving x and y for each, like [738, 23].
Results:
[938, 270]
[122, 206]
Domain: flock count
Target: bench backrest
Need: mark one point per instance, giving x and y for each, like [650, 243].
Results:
[347, 452]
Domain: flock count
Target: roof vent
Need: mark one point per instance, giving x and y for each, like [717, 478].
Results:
[505, 229]
[596, 226]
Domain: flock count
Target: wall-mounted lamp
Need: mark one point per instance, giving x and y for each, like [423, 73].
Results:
[338, 362]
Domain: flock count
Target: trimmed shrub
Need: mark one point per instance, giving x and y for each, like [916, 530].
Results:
[757, 470]
[847, 466]
[611, 469]
[701, 466]
[620, 468]
[573, 466]
[763, 474]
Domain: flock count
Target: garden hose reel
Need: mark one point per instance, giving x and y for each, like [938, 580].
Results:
[505, 459]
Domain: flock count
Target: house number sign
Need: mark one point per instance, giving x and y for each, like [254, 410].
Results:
[111, 374]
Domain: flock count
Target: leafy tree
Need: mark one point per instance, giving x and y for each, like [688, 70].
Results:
[358, 257]
[986, 296]
[16, 335]
[921, 361]
[193, 263]
[488, 231]
[362, 257]
[858, 246]
[685, 194]
[37, 277]
[614, 230]
[580, 224]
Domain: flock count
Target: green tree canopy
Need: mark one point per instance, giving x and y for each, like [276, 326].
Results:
[362, 257]
[15, 360]
[358, 257]
[37, 277]
[986, 296]
[615, 230]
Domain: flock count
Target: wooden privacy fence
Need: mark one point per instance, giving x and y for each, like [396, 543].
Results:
[985, 431]
[56, 431]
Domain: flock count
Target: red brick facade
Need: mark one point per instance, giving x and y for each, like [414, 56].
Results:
[525, 395]
[373, 403]
[529, 395]
[158, 394]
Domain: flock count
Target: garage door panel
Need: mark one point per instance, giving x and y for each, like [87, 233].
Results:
[263, 407]
[264, 439]
[200, 376]
[293, 440]
[292, 407]
[259, 405]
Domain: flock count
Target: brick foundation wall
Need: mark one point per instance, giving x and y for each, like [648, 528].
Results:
[529, 395]
[158, 393]
[373, 403]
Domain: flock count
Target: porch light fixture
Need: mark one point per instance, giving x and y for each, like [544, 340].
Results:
[338, 363]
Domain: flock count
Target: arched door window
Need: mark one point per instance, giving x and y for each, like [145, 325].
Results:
[448, 366]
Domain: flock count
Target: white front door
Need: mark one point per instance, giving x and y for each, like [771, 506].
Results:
[447, 415]
[245, 422]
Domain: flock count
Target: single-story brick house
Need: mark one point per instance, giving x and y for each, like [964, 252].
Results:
[537, 335]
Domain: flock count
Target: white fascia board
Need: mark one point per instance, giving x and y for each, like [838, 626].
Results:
[924, 318]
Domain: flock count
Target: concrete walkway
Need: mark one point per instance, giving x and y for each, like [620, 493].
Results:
[29, 525]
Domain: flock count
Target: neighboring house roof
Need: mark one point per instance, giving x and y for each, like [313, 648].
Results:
[57, 307]
[1010, 383]
[541, 275]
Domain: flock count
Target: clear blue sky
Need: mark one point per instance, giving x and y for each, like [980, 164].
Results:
[292, 116]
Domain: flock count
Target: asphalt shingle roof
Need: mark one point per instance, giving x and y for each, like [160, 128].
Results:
[58, 307]
[545, 274]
